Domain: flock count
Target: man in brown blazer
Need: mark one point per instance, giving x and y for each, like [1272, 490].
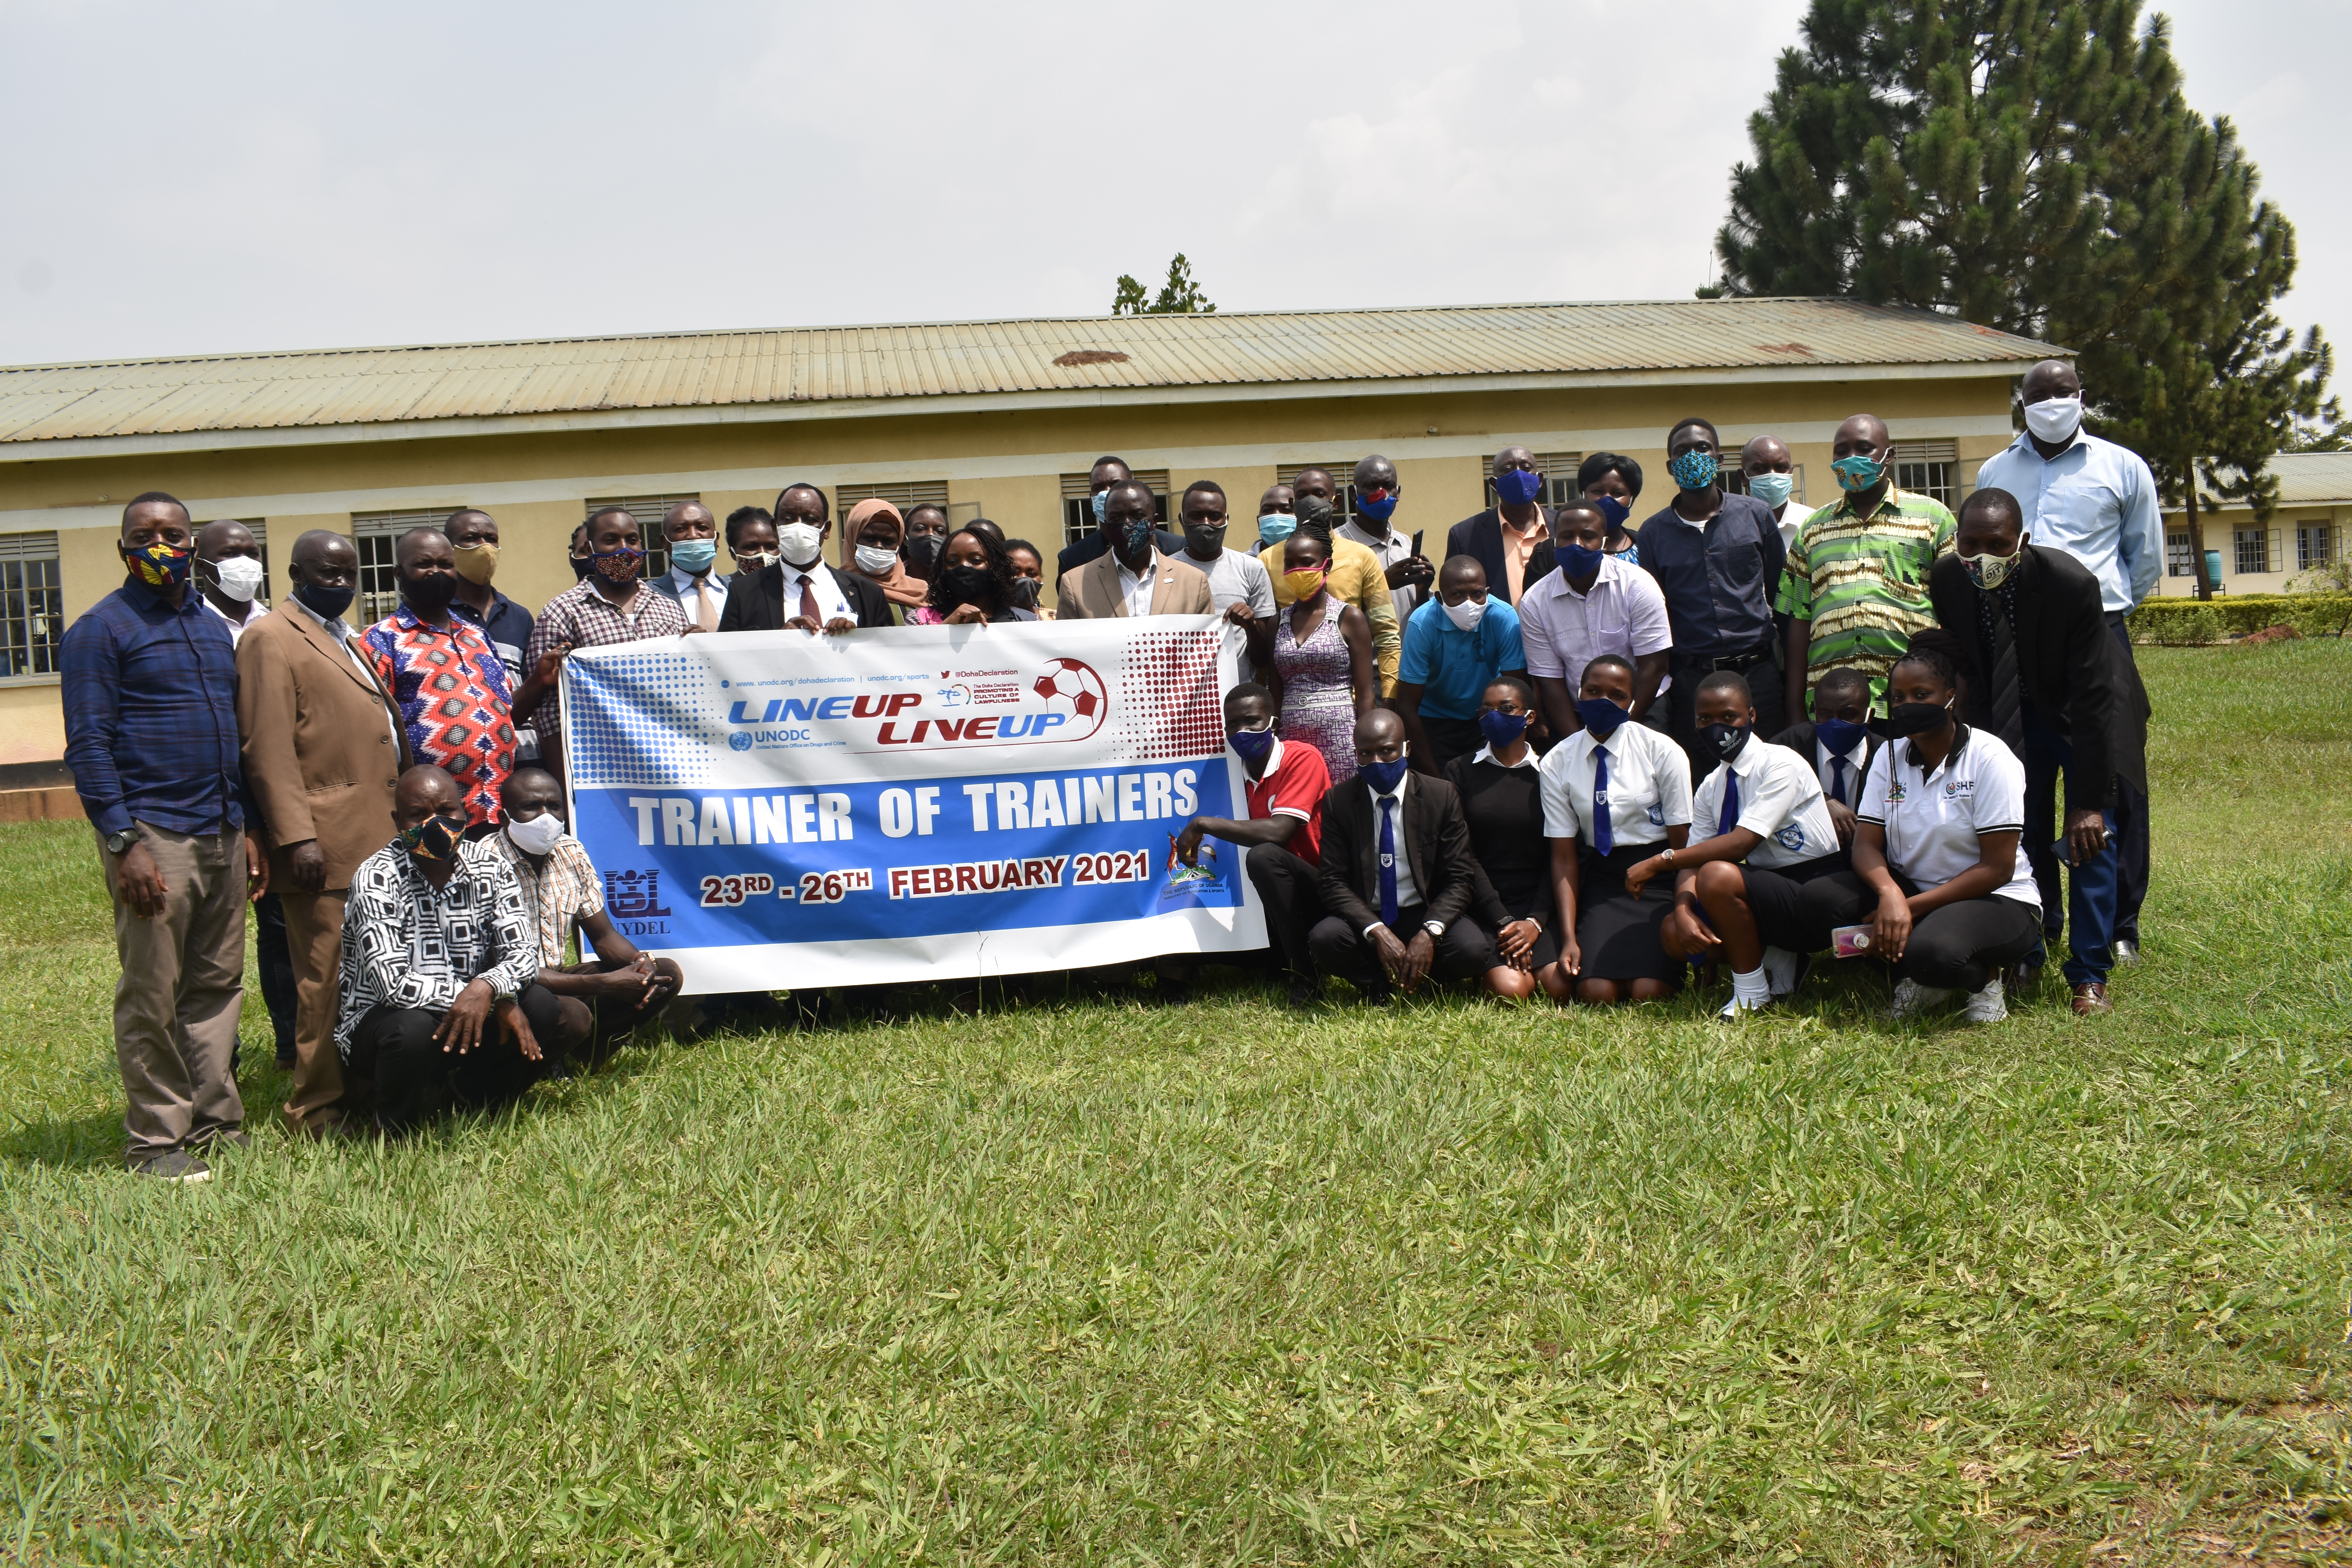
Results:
[323, 751]
[1132, 578]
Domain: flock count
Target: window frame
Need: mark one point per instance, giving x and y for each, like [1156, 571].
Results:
[648, 511]
[32, 597]
[1077, 502]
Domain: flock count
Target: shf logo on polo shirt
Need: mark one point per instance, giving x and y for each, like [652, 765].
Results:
[1959, 786]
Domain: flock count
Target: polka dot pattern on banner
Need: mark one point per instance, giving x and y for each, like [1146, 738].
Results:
[636, 720]
[1171, 705]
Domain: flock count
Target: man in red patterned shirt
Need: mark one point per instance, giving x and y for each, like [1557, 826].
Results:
[448, 681]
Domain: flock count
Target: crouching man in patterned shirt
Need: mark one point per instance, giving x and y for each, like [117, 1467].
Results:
[439, 1000]
[616, 987]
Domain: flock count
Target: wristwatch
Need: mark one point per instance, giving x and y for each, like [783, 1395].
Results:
[120, 843]
[1435, 927]
[1666, 856]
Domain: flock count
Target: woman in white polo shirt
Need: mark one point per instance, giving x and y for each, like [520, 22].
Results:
[1938, 870]
[1613, 793]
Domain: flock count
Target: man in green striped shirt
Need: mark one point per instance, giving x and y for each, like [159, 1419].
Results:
[1855, 588]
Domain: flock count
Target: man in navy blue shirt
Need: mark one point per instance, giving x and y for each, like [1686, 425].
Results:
[474, 535]
[151, 737]
[1717, 558]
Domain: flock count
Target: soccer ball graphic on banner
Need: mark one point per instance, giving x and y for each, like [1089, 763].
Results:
[1072, 688]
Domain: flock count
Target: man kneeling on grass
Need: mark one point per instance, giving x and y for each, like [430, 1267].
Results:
[439, 996]
[617, 987]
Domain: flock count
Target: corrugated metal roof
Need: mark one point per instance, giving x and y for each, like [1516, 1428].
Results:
[2313, 479]
[819, 364]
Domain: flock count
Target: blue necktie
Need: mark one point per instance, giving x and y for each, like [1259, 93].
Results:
[1837, 780]
[1387, 860]
[1604, 837]
[1730, 818]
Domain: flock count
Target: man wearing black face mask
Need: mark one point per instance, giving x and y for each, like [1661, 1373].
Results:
[1235, 577]
[1135, 578]
[450, 682]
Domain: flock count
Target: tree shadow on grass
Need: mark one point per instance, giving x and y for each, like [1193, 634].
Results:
[81, 1143]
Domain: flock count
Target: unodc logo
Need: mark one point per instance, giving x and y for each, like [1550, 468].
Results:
[739, 741]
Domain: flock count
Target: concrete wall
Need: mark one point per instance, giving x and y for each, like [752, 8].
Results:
[1005, 464]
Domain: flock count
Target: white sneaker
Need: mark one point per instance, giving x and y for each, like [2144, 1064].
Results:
[1739, 1008]
[1784, 971]
[1911, 999]
[1988, 1006]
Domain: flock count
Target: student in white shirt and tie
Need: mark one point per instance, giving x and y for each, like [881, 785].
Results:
[1838, 741]
[1613, 793]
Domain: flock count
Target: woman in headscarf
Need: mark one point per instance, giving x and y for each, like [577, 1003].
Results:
[973, 584]
[869, 547]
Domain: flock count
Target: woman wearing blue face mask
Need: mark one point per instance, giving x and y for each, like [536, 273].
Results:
[1614, 482]
[1502, 798]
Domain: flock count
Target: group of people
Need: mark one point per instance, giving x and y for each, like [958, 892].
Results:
[1574, 755]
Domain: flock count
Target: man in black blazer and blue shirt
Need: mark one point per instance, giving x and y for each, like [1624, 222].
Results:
[1396, 893]
[801, 590]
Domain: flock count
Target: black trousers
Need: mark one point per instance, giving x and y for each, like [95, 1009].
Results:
[1764, 684]
[1463, 953]
[416, 1080]
[276, 961]
[1450, 738]
[1293, 901]
[1959, 946]
[2131, 826]
[1775, 897]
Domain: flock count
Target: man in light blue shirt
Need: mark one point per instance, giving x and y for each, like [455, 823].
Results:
[692, 579]
[1454, 646]
[2097, 502]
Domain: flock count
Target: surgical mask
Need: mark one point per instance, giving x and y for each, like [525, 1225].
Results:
[1859, 472]
[1917, 718]
[1601, 716]
[1252, 746]
[1518, 486]
[1989, 571]
[1840, 735]
[1376, 504]
[329, 602]
[965, 586]
[430, 594]
[237, 577]
[1204, 540]
[1467, 615]
[800, 542]
[160, 565]
[1616, 508]
[1501, 729]
[1696, 470]
[2055, 418]
[478, 562]
[435, 838]
[1099, 505]
[1727, 741]
[537, 837]
[755, 560]
[1772, 489]
[695, 556]
[1579, 560]
[1384, 777]
[1304, 583]
[875, 561]
[1275, 526]
[619, 566]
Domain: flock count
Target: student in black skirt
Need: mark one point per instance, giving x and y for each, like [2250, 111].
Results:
[1502, 796]
[1613, 793]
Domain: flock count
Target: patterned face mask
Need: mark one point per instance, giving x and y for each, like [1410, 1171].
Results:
[618, 566]
[160, 565]
[1695, 470]
[435, 838]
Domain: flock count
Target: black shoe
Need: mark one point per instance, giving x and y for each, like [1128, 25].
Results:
[1306, 991]
[2022, 978]
[1171, 993]
[174, 1165]
[1374, 995]
[286, 1059]
[223, 1138]
[2125, 952]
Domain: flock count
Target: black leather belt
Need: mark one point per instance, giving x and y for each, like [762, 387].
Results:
[1738, 661]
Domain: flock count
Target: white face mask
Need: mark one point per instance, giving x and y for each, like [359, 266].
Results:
[2055, 418]
[1466, 614]
[537, 837]
[800, 542]
[240, 576]
[875, 561]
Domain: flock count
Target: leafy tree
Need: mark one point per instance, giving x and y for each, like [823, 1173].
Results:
[1179, 296]
[2034, 165]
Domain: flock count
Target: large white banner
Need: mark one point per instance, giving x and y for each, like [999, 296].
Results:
[782, 811]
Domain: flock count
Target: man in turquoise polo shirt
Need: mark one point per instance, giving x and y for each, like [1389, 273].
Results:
[1454, 646]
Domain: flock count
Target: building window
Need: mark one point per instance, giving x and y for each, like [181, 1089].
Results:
[374, 534]
[1928, 469]
[2253, 550]
[649, 512]
[906, 498]
[2314, 546]
[1078, 501]
[32, 608]
[1559, 469]
[2179, 561]
[1343, 485]
[260, 532]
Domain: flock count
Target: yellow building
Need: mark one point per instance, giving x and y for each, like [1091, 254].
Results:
[996, 419]
[2306, 531]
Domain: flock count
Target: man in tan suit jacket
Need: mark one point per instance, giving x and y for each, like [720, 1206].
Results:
[323, 751]
[1113, 581]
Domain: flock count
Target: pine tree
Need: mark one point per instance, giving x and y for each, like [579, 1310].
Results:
[1179, 296]
[2034, 165]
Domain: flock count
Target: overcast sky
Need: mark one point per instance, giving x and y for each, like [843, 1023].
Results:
[226, 176]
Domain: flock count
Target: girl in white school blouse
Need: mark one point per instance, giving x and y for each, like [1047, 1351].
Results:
[1938, 870]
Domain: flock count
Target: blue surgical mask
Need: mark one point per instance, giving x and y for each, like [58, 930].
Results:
[694, 555]
[1859, 472]
[1696, 470]
[1840, 735]
[1616, 508]
[1501, 729]
[1384, 777]
[1601, 716]
[1518, 486]
[1578, 561]
[1275, 526]
[1376, 504]
[1098, 506]
[1772, 489]
[1252, 746]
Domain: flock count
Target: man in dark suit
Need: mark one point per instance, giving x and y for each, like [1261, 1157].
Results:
[1838, 741]
[800, 591]
[1396, 873]
[2045, 674]
[1106, 472]
[1512, 539]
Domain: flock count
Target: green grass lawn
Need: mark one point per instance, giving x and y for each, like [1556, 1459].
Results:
[1098, 1282]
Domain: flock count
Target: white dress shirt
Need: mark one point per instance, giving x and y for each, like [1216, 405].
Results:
[2094, 500]
[1854, 760]
[1528, 759]
[254, 610]
[689, 594]
[1649, 786]
[1781, 802]
[1408, 891]
[1137, 590]
[831, 604]
[1623, 613]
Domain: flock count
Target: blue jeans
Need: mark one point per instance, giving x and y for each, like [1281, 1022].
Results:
[2093, 888]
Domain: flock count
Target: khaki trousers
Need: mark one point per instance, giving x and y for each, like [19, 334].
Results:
[183, 984]
[314, 940]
